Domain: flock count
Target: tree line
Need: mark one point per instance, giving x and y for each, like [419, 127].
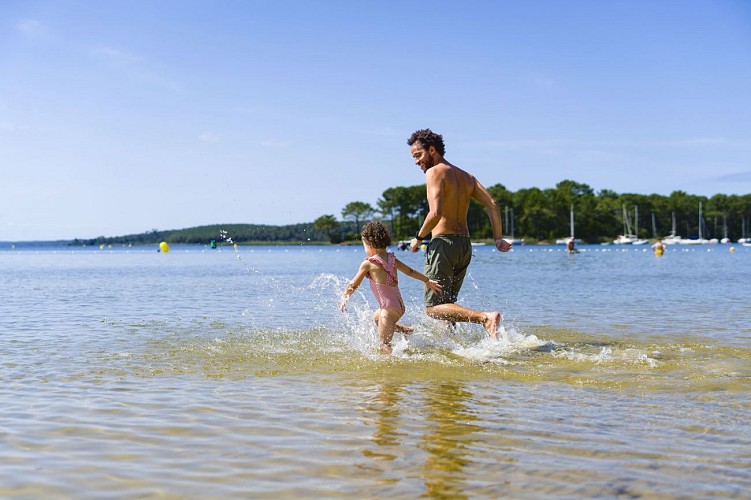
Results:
[539, 215]
[221, 234]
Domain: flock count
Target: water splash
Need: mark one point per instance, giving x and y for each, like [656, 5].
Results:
[224, 235]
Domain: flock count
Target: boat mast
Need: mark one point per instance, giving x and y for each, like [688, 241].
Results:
[654, 227]
[672, 232]
[626, 223]
[572, 221]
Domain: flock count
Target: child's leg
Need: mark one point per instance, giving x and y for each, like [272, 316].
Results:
[405, 329]
[386, 322]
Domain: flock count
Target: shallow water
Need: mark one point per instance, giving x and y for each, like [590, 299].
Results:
[231, 373]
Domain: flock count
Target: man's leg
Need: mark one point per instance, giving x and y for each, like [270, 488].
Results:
[491, 320]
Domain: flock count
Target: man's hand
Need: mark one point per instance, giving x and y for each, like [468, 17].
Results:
[502, 245]
[414, 245]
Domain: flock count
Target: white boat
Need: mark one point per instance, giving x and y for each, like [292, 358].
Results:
[629, 238]
[745, 240]
[564, 241]
[725, 240]
[672, 238]
[511, 239]
[624, 239]
[696, 241]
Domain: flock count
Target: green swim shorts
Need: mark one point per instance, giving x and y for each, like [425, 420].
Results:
[446, 261]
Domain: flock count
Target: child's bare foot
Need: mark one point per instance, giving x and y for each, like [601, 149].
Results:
[386, 348]
[406, 330]
[492, 322]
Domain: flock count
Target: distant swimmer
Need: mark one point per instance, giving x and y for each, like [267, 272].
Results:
[447, 256]
[571, 246]
[659, 247]
[380, 267]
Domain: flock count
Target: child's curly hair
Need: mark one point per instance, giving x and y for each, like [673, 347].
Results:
[376, 235]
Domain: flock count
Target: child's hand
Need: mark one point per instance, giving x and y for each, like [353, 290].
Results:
[434, 285]
[343, 303]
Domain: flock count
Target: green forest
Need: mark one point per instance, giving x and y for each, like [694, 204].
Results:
[537, 215]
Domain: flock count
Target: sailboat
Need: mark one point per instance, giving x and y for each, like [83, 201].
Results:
[725, 238]
[629, 238]
[745, 240]
[672, 238]
[700, 240]
[511, 238]
[564, 241]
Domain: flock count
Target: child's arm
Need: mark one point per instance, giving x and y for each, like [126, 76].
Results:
[352, 285]
[433, 285]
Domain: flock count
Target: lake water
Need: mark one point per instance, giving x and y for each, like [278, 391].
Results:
[231, 373]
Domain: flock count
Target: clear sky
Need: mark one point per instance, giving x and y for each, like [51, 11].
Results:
[119, 117]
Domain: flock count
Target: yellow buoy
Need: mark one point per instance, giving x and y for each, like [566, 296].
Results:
[732, 249]
[164, 247]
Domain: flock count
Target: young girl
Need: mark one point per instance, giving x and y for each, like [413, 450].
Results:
[380, 267]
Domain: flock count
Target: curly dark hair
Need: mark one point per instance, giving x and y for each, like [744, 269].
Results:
[428, 138]
[376, 235]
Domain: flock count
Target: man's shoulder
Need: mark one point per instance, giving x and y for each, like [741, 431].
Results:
[441, 170]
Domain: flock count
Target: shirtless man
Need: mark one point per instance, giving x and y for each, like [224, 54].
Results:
[449, 191]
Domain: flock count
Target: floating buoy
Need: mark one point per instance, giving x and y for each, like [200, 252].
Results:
[732, 249]
[163, 247]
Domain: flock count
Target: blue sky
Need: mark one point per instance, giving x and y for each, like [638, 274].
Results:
[120, 117]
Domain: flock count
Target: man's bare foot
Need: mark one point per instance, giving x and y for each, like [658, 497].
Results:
[492, 322]
[386, 348]
[406, 330]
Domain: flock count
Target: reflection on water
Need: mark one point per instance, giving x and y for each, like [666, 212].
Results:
[448, 440]
[385, 407]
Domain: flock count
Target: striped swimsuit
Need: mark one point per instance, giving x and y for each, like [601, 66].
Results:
[387, 294]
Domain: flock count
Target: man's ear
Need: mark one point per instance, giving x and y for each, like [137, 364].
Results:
[432, 150]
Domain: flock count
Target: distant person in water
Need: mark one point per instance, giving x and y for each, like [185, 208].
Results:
[659, 247]
[449, 192]
[380, 267]
[571, 246]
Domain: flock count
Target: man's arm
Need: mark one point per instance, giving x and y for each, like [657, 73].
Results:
[483, 196]
[434, 189]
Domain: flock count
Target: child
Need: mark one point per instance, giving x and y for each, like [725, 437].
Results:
[380, 267]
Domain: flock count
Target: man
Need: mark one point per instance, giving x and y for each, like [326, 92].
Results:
[449, 191]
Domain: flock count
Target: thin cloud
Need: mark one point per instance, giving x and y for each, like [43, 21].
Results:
[115, 57]
[735, 177]
[8, 127]
[685, 142]
[274, 143]
[133, 66]
[209, 137]
[540, 82]
[31, 28]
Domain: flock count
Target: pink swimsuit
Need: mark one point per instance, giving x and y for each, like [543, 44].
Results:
[387, 294]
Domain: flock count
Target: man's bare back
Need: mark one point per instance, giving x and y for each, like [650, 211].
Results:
[453, 187]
